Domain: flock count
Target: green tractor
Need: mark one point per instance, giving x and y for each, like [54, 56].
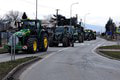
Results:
[31, 37]
[62, 34]
[90, 35]
[79, 34]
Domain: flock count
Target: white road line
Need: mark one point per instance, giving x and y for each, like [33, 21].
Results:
[62, 50]
[93, 50]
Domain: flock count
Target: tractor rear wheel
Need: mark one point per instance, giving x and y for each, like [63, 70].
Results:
[51, 44]
[44, 42]
[65, 42]
[80, 39]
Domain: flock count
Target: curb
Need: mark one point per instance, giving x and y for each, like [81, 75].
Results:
[102, 54]
[9, 76]
[109, 50]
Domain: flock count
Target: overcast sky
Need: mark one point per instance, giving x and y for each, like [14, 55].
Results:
[99, 10]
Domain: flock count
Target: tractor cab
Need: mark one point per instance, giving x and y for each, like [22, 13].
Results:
[29, 24]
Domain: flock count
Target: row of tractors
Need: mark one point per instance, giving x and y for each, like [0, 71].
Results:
[68, 35]
[32, 37]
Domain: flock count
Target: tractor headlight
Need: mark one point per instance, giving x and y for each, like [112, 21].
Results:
[13, 40]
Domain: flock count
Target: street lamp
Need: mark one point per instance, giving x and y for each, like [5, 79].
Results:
[85, 18]
[71, 10]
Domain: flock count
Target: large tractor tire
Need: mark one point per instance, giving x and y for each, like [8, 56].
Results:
[32, 44]
[95, 38]
[44, 42]
[72, 43]
[65, 42]
[80, 39]
[51, 43]
[89, 39]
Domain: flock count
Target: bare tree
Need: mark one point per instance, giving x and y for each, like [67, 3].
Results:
[13, 15]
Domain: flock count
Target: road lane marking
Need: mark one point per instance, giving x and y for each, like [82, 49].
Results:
[93, 50]
[62, 49]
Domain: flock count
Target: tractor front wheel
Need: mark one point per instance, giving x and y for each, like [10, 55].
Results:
[32, 44]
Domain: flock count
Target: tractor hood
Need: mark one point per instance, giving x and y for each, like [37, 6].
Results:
[23, 32]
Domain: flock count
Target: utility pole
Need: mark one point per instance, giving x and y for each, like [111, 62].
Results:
[36, 8]
[57, 17]
[76, 18]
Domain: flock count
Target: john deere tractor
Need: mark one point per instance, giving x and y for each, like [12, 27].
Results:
[31, 37]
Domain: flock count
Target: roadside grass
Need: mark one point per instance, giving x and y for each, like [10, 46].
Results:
[6, 67]
[110, 47]
[112, 54]
[3, 50]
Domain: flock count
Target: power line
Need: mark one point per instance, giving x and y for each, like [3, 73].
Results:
[38, 4]
[43, 6]
[48, 7]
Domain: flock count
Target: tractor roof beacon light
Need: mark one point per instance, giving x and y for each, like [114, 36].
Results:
[24, 16]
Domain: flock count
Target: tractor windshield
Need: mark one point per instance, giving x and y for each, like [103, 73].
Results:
[28, 25]
[59, 29]
[77, 30]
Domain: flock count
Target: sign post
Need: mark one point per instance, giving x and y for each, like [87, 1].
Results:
[13, 44]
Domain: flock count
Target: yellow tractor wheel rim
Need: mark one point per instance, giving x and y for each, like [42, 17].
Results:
[35, 46]
[45, 42]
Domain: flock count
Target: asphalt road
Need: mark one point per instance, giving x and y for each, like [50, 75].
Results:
[78, 63]
[7, 56]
